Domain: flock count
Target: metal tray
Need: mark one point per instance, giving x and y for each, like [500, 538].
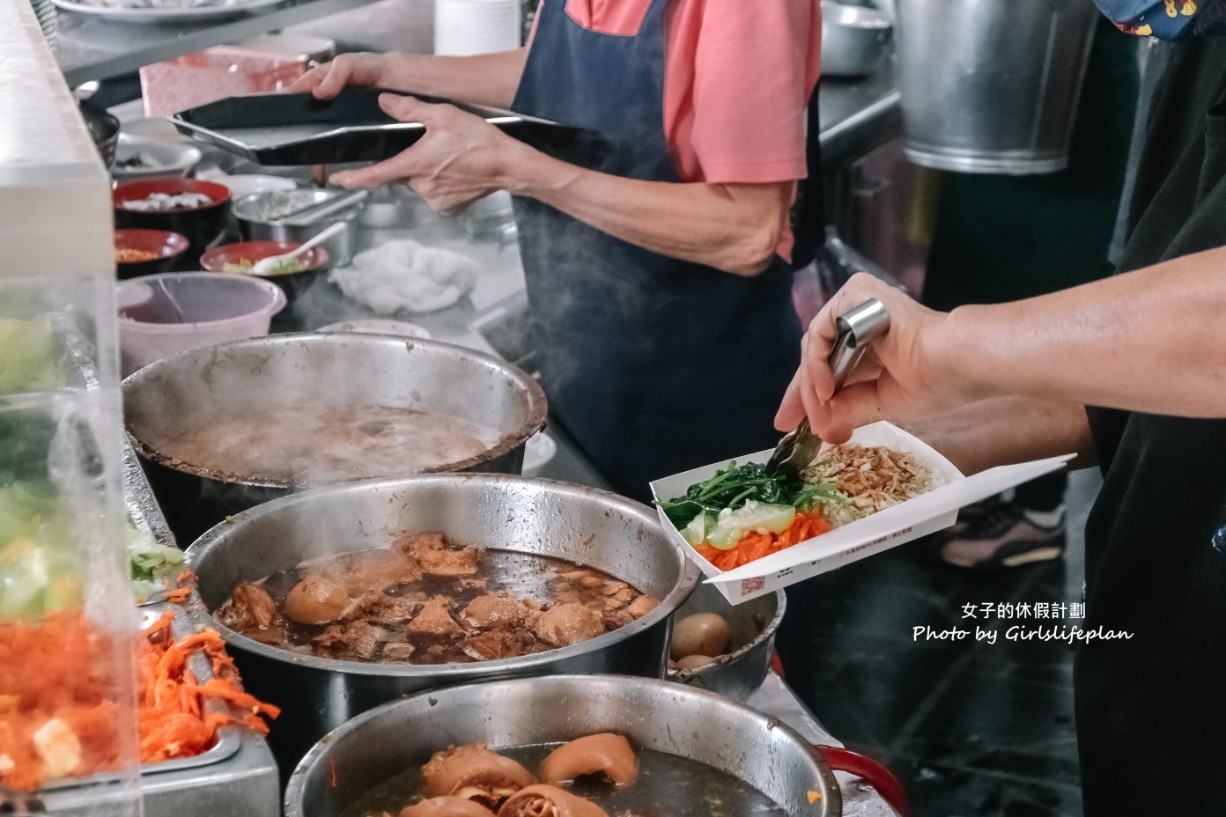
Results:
[229, 738]
[297, 129]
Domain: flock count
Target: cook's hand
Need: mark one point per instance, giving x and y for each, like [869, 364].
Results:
[327, 80]
[460, 158]
[903, 376]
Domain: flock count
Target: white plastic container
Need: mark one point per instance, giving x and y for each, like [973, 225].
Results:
[162, 315]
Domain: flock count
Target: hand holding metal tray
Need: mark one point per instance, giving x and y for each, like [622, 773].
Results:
[298, 129]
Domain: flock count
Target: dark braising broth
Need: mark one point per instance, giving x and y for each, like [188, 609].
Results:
[422, 601]
[319, 444]
[667, 786]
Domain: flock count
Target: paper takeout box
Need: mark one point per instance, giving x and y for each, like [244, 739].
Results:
[919, 516]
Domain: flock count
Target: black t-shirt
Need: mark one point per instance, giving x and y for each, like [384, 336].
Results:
[1151, 710]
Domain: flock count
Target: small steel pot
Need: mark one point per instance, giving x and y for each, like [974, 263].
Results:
[854, 39]
[576, 523]
[656, 715]
[231, 379]
[751, 642]
[256, 215]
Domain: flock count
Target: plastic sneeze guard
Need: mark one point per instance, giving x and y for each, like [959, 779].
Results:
[916, 517]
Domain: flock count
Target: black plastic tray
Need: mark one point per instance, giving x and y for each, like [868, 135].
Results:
[297, 129]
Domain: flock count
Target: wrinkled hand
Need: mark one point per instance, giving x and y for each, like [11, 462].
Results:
[329, 79]
[459, 160]
[899, 378]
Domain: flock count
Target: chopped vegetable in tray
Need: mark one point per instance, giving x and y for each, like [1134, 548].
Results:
[59, 721]
[28, 357]
[743, 513]
[148, 557]
[38, 574]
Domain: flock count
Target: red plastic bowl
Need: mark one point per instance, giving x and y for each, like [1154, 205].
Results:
[170, 248]
[292, 283]
[201, 224]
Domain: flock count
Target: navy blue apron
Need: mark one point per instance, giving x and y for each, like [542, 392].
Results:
[653, 365]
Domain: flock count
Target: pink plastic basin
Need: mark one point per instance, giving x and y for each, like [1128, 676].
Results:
[162, 315]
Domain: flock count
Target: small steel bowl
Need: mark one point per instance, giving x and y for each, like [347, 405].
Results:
[854, 39]
[268, 216]
[751, 643]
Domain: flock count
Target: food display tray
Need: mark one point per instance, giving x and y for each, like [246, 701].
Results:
[297, 129]
[236, 776]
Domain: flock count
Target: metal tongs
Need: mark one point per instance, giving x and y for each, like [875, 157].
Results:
[856, 329]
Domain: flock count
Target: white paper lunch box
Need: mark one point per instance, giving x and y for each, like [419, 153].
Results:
[919, 516]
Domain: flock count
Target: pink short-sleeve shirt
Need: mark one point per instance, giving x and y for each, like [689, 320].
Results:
[737, 77]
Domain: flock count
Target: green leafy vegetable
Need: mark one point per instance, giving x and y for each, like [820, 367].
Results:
[38, 573]
[147, 557]
[735, 485]
[27, 355]
[286, 267]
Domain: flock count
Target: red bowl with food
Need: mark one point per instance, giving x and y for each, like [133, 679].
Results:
[191, 207]
[144, 252]
[293, 278]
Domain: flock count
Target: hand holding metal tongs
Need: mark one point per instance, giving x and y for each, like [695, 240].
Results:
[856, 329]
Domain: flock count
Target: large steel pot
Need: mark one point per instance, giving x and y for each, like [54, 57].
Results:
[656, 715]
[581, 524]
[230, 379]
[991, 87]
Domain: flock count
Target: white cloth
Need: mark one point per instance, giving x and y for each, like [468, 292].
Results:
[408, 275]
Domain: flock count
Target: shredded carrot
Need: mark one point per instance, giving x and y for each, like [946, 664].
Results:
[63, 669]
[753, 546]
[183, 577]
[179, 595]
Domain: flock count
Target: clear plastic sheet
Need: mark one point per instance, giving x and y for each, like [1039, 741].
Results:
[67, 622]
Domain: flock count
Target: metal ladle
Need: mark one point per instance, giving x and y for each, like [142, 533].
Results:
[856, 329]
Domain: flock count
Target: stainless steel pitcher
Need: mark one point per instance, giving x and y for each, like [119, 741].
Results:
[991, 86]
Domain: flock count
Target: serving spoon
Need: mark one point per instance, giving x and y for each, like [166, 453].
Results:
[267, 266]
[856, 329]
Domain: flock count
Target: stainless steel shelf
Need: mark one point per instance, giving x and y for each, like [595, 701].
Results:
[92, 48]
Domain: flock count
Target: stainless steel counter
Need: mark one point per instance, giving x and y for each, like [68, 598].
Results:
[857, 115]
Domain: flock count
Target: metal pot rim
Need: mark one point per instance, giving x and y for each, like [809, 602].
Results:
[768, 632]
[684, 585]
[536, 407]
[295, 788]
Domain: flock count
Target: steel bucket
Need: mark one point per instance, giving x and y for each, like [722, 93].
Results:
[577, 523]
[991, 86]
[229, 379]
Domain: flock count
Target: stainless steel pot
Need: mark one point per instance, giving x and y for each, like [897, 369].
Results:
[657, 715]
[258, 220]
[233, 378]
[751, 640]
[991, 87]
[854, 39]
[577, 523]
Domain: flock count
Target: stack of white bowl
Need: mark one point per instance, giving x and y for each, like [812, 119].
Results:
[465, 27]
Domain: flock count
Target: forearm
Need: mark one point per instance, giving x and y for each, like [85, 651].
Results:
[1005, 430]
[734, 228]
[483, 79]
[1153, 340]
